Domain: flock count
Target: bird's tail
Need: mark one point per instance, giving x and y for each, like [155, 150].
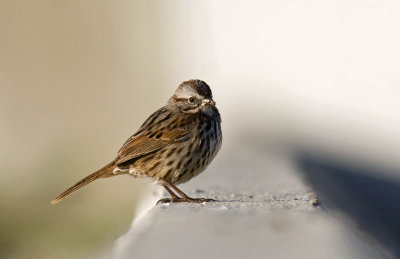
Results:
[103, 172]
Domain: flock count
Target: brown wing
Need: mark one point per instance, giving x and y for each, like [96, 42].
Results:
[146, 125]
[142, 143]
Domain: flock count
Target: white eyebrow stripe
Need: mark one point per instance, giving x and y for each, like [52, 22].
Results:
[186, 92]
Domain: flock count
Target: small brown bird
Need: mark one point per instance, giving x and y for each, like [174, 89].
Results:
[175, 144]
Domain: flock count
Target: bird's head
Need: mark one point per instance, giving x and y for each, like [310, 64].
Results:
[194, 96]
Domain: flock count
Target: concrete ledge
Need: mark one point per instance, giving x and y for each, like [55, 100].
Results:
[246, 222]
[265, 226]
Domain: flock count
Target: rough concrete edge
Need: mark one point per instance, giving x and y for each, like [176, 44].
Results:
[139, 222]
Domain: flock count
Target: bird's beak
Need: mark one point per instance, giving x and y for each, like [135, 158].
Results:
[208, 101]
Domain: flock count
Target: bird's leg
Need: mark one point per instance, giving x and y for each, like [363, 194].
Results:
[174, 197]
[186, 198]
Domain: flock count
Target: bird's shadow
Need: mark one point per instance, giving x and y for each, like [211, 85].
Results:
[364, 194]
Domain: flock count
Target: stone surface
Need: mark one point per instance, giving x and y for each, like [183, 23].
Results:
[262, 211]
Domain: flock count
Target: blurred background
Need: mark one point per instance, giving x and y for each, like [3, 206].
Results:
[77, 78]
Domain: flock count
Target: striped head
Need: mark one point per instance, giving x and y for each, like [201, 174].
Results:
[194, 96]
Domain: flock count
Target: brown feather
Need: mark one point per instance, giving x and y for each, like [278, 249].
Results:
[142, 145]
[104, 172]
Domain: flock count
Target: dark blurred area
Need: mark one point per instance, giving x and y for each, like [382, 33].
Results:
[361, 193]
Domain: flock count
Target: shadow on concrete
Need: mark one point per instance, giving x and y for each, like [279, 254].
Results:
[371, 200]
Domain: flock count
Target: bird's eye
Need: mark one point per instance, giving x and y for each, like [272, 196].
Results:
[191, 100]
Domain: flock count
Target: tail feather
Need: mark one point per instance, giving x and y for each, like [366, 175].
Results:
[104, 172]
